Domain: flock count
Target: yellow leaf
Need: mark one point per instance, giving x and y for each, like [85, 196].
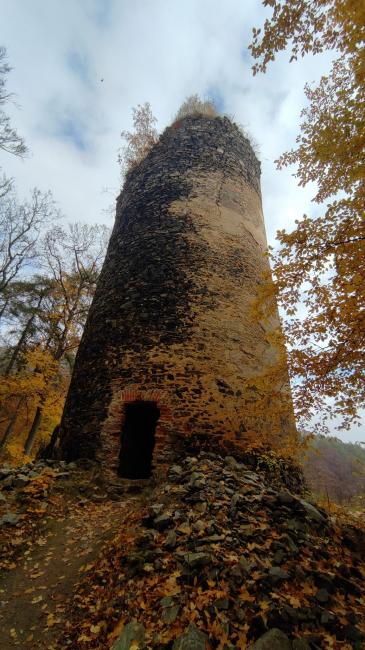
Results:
[246, 596]
[50, 620]
[294, 601]
[264, 605]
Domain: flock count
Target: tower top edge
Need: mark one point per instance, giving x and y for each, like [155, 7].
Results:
[200, 141]
[215, 120]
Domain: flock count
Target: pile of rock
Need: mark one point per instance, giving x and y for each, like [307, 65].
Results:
[14, 479]
[18, 477]
[222, 554]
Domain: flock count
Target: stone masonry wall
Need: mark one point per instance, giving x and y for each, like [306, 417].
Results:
[170, 319]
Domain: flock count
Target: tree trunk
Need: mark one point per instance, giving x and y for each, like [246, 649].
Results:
[2, 311]
[10, 427]
[18, 348]
[21, 341]
[33, 430]
[48, 451]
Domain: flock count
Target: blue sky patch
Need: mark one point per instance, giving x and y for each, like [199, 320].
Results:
[79, 65]
[101, 12]
[65, 125]
[215, 95]
[247, 56]
[72, 130]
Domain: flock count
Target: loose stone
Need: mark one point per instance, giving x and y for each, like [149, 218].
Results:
[196, 560]
[10, 519]
[272, 640]
[192, 639]
[133, 636]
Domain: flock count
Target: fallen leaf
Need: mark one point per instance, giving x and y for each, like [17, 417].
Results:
[294, 601]
[37, 599]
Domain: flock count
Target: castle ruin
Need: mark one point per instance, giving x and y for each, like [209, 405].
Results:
[169, 342]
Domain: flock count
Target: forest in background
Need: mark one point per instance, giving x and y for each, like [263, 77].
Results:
[48, 274]
[335, 470]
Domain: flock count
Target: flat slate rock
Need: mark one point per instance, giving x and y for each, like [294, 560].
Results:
[196, 560]
[10, 519]
[273, 640]
[312, 512]
[192, 639]
[133, 635]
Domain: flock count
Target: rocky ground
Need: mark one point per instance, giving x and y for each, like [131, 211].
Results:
[54, 519]
[218, 554]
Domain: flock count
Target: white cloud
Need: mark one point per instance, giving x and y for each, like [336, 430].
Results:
[81, 65]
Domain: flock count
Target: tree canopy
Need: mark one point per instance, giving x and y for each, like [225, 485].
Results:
[321, 262]
[42, 317]
[137, 143]
[10, 141]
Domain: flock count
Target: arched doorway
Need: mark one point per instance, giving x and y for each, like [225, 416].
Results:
[138, 439]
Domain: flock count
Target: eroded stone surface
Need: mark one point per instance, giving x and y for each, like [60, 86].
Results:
[170, 321]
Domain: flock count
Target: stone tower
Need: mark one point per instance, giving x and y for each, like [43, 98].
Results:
[169, 340]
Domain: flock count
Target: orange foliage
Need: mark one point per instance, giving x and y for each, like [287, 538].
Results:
[321, 263]
[40, 381]
[140, 140]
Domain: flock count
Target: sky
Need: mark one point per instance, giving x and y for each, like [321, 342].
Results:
[80, 66]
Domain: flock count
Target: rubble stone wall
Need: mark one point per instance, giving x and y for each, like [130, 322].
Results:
[171, 313]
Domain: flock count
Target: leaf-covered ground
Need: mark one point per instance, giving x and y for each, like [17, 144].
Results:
[215, 544]
[59, 520]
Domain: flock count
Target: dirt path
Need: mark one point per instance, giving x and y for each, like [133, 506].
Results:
[33, 596]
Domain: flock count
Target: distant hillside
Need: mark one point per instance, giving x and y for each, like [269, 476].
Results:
[336, 469]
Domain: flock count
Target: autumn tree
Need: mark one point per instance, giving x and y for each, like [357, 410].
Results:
[39, 380]
[23, 380]
[21, 226]
[320, 264]
[45, 319]
[24, 306]
[73, 259]
[10, 141]
[137, 143]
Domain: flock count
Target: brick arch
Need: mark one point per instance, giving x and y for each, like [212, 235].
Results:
[158, 396]
[110, 435]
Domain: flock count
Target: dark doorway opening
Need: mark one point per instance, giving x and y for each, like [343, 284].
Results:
[138, 439]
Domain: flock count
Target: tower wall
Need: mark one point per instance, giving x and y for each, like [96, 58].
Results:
[170, 321]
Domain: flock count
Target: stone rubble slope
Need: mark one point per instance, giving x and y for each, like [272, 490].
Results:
[50, 528]
[25, 503]
[225, 558]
